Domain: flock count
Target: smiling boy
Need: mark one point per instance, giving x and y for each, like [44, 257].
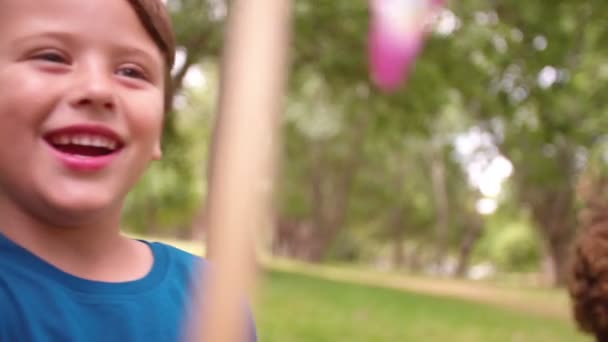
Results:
[82, 98]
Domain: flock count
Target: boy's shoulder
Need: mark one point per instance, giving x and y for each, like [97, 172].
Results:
[174, 251]
[178, 260]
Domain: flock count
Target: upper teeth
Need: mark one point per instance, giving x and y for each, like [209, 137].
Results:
[85, 140]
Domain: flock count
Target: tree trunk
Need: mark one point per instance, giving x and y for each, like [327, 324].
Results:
[472, 235]
[440, 195]
[553, 210]
[398, 253]
[330, 204]
[331, 190]
[414, 258]
[556, 249]
[398, 238]
[555, 218]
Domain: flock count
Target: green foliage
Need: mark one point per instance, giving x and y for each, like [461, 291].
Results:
[510, 244]
[372, 152]
[198, 25]
[163, 202]
[346, 248]
[171, 192]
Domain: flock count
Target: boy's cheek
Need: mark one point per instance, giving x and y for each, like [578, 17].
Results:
[27, 91]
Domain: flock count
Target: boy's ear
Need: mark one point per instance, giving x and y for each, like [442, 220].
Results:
[157, 154]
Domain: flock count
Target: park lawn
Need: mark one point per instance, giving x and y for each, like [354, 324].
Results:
[299, 302]
[295, 307]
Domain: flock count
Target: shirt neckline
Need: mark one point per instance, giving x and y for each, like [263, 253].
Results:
[33, 263]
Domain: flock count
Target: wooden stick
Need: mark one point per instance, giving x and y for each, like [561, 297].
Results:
[243, 161]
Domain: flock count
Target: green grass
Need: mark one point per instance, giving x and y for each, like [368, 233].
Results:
[549, 302]
[299, 302]
[295, 307]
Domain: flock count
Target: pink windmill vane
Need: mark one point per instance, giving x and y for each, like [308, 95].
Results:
[396, 36]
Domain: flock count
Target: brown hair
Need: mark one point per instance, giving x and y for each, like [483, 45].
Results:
[156, 19]
[588, 282]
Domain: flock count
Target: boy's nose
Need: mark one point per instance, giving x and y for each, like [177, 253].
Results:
[94, 89]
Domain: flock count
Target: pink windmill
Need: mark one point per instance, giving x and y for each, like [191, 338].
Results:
[396, 36]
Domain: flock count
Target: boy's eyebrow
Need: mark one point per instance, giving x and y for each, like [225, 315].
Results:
[45, 34]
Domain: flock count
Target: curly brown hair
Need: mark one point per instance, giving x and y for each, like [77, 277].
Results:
[588, 283]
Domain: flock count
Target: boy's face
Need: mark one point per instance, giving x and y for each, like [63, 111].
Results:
[81, 105]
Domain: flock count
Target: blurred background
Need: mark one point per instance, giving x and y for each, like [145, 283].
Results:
[444, 211]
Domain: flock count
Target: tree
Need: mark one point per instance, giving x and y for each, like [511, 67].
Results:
[542, 103]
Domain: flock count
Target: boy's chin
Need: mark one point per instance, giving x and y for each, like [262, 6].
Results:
[75, 211]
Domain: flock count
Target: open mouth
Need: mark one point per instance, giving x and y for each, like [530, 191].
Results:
[84, 144]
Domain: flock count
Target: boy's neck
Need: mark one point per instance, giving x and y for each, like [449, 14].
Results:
[94, 250]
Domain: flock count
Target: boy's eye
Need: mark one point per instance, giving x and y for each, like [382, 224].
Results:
[53, 57]
[132, 72]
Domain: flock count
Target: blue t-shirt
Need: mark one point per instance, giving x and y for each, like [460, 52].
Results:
[39, 302]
